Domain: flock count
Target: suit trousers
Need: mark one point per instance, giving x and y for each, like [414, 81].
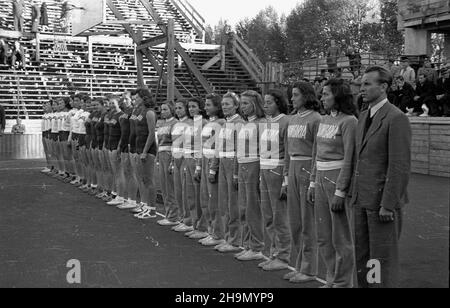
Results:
[230, 228]
[249, 200]
[275, 214]
[334, 233]
[301, 215]
[375, 240]
[167, 186]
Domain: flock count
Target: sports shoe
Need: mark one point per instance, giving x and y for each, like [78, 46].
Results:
[190, 233]
[251, 255]
[275, 265]
[220, 245]
[147, 214]
[101, 195]
[184, 229]
[241, 253]
[290, 275]
[228, 248]
[209, 242]
[139, 209]
[209, 237]
[167, 223]
[302, 278]
[175, 227]
[127, 205]
[117, 201]
[326, 286]
[46, 170]
[262, 264]
[198, 235]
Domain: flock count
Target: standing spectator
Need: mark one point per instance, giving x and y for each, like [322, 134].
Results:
[426, 97]
[332, 57]
[44, 16]
[443, 91]
[18, 56]
[381, 177]
[429, 72]
[18, 10]
[35, 16]
[19, 128]
[3, 52]
[354, 58]
[2, 120]
[393, 68]
[407, 72]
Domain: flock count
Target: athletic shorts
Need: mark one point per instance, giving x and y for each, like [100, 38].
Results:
[75, 136]
[82, 140]
[63, 136]
[54, 136]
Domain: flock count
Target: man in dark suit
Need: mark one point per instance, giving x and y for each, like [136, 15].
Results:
[426, 95]
[2, 120]
[383, 163]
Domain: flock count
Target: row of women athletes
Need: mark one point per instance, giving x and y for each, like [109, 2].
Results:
[294, 192]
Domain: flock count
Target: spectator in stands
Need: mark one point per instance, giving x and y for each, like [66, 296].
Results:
[332, 57]
[18, 56]
[429, 72]
[393, 68]
[18, 12]
[404, 97]
[4, 49]
[2, 120]
[354, 58]
[35, 16]
[19, 128]
[443, 91]
[407, 72]
[426, 97]
[44, 16]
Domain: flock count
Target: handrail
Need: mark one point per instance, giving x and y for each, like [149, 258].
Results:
[247, 58]
[191, 15]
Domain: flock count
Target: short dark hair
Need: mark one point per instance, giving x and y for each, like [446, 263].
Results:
[185, 103]
[280, 100]
[343, 96]
[308, 92]
[384, 76]
[200, 103]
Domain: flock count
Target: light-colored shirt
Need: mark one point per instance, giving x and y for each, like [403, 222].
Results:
[377, 107]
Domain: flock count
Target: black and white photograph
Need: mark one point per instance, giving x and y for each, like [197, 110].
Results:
[224, 152]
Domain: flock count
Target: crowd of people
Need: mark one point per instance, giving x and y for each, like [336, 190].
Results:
[240, 172]
[12, 57]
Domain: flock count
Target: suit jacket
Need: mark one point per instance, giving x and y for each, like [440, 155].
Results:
[383, 160]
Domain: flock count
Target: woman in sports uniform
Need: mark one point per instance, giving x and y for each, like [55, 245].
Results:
[252, 108]
[165, 158]
[45, 137]
[106, 163]
[231, 231]
[330, 183]
[302, 132]
[209, 188]
[146, 149]
[273, 197]
[177, 167]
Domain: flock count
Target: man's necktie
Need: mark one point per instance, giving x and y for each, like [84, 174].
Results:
[368, 124]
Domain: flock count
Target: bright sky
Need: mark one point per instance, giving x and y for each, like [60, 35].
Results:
[235, 10]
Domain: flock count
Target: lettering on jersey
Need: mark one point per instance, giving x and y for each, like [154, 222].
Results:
[210, 136]
[140, 118]
[297, 131]
[113, 122]
[165, 130]
[178, 132]
[270, 141]
[328, 131]
[124, 116]
[248, 141]
[133, 117]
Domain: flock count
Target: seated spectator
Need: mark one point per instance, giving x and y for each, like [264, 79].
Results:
[443, 91]
[404, 97]
[18, 56]
[394, 69]
[19, 128]
[429, 72]
[426, 97]
[4, 49]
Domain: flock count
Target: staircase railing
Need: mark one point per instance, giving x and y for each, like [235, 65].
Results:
[192, 16]
[247, 58]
